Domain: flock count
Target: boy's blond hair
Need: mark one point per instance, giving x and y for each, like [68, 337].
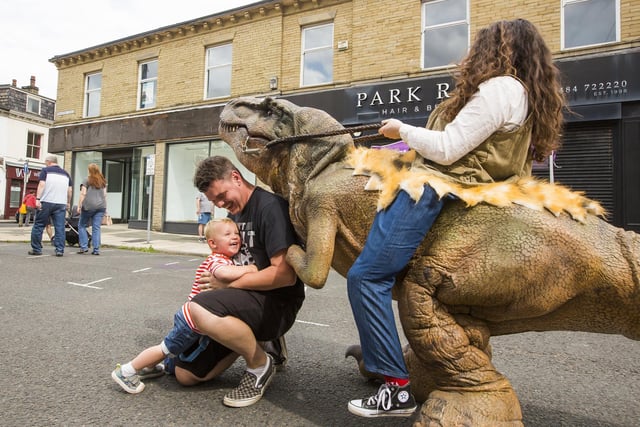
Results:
[209, 228]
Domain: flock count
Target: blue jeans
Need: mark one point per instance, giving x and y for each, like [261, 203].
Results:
[57, 212]
[394, 237]
[182, 337]
[95, 217]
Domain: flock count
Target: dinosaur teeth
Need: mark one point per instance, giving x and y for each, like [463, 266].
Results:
[227, 127]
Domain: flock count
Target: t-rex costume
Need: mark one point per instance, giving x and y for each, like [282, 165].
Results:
[481, 271]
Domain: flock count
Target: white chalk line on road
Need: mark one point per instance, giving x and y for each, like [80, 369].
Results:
[89, 285]
[312, 323]
[142, 269]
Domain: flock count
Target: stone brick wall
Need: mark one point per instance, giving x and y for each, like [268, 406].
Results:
[383, 43]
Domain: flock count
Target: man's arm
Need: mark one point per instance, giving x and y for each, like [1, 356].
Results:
[39, 192]
[278, 275]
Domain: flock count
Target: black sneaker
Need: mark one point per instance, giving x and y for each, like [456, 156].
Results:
[278, 350]
[251, 388]
[390, 401]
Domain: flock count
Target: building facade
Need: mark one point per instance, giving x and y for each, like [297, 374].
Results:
[146, 107]
[25, 119]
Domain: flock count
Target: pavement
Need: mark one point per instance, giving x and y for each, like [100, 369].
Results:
[119, 236]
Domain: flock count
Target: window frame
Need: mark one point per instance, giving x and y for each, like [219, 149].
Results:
[89, 93]
[304, 51]
[142, 82]
[33, 147]
[425, 28]
[563, 5]
[208, 67]
[34, 100]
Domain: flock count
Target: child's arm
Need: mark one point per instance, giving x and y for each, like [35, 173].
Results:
[229, 273]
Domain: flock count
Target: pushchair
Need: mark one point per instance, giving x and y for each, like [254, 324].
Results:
[71, 228]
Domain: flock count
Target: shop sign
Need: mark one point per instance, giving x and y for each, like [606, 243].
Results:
[401, 99]
[585, 81]
[602, 79]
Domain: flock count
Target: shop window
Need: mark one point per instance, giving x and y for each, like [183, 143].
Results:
[81, 162]
[34, 141]
[317, 55]
[140, 182]
[182, 160]
[218, 69]
[445, 32]
[33, 105]
[15, 194]
[92, 94]
[148, 83]
[589, 22]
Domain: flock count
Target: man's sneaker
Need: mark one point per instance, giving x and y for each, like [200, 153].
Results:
[130, 384]
[147, 373]
[278, 350]
[251, 388]
[390, 401]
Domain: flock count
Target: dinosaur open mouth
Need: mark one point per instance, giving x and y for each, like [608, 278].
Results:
[228, 127]
[238, 134]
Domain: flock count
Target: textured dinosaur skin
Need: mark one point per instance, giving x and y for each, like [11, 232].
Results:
[481, 271]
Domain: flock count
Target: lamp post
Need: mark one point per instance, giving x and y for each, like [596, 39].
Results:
[25, 177]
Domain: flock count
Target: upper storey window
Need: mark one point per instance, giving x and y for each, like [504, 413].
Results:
[34, 142]
[445, 32]
[33, 105]
[218, 78]
[317, 55]
[92, 94]
[590, 22]
[148, 84]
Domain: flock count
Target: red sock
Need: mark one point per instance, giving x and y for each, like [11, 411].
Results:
[398, 381]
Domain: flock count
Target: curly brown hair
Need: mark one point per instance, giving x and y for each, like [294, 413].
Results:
[515, 48]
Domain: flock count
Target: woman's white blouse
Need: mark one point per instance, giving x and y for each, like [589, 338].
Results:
[500, 104]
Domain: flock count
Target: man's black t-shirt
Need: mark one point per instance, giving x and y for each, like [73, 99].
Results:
[266, 229]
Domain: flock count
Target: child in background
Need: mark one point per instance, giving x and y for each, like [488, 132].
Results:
[224, 240]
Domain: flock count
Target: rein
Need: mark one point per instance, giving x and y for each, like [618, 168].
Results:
[351, 130]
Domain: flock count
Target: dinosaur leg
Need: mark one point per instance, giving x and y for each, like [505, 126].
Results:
[468, 389]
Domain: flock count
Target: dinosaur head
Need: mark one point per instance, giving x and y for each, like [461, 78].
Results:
[249, 124]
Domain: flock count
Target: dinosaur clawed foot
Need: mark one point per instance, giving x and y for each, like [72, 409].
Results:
[497, 408]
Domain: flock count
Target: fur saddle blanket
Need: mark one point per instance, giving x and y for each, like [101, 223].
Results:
[391, 171]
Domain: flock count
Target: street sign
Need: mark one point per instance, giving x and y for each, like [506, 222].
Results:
[151, 164]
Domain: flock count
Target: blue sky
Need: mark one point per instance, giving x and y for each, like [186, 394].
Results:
[36, 30]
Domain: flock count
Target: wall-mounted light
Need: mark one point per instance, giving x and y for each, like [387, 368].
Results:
[273, 83]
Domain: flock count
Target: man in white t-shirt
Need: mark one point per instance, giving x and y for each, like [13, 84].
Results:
[53, 198]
